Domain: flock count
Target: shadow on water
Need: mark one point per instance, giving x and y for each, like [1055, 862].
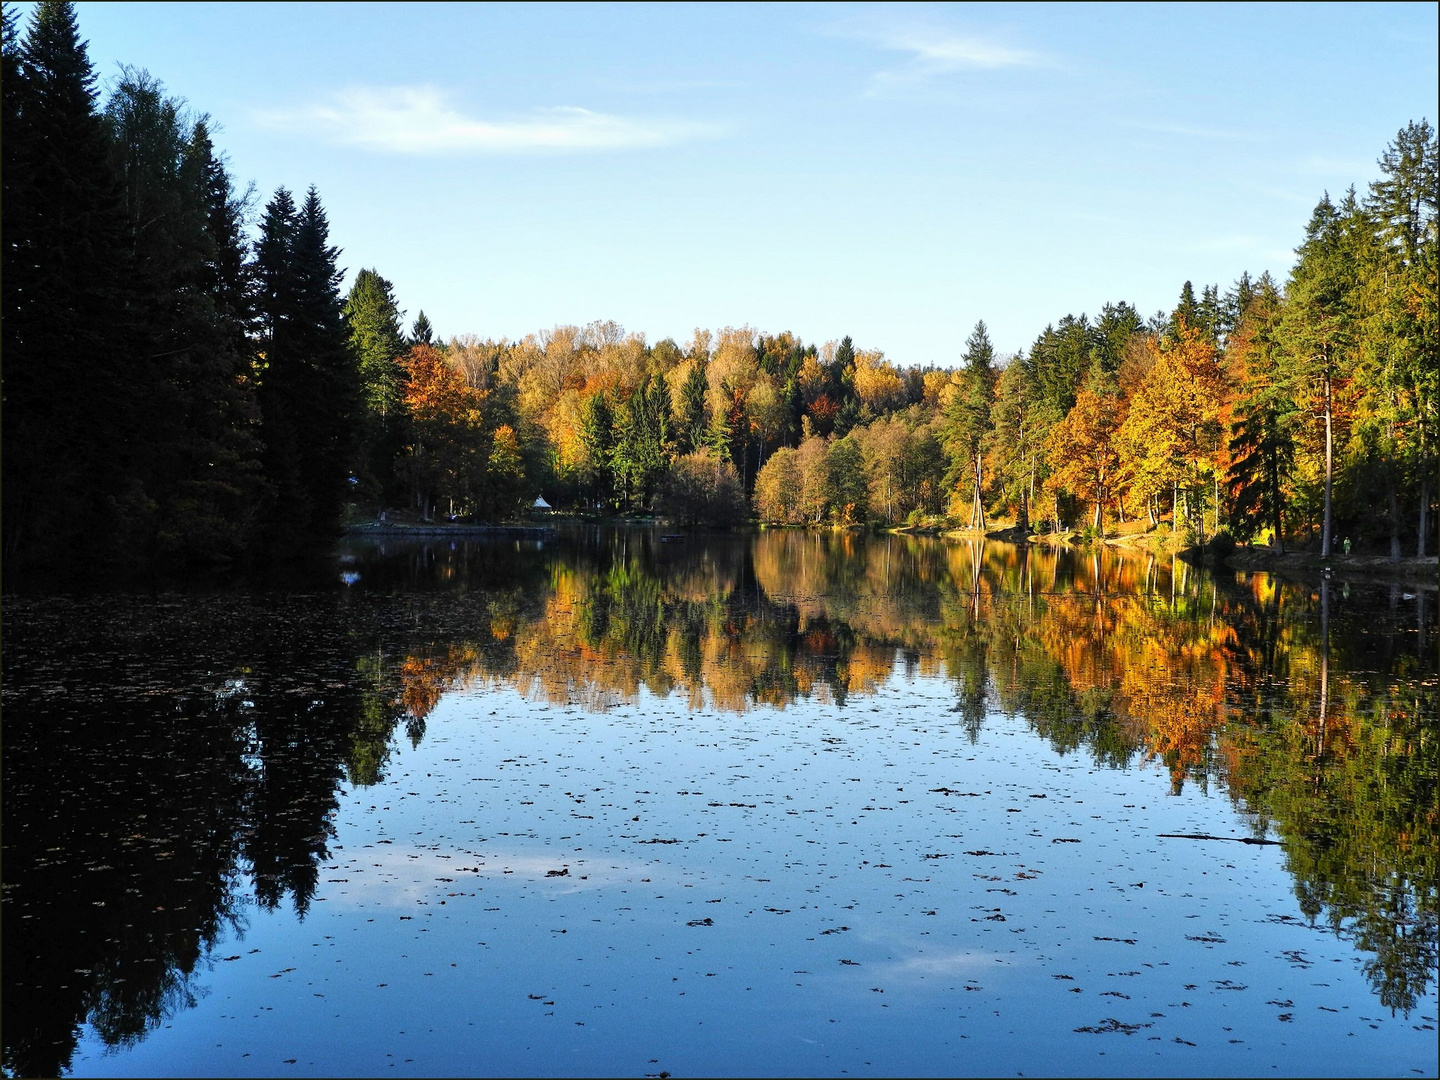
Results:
[174, 761]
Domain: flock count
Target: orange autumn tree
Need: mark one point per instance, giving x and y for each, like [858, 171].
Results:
[445, 456]
[1173, 435]
[1081, 450]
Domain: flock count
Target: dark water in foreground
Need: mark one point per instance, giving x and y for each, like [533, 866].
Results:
[774, 804]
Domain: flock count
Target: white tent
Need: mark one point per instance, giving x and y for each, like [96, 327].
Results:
[540, 503]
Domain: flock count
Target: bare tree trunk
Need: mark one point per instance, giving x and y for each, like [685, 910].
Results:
[979, 496]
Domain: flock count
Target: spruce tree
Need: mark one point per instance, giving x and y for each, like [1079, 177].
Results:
[328, 431]
[72, 399]
[692, 430]
[281, 382]
[198, 461]
[422, 333]
[598, 438]
[967, 421]
[1186, 313]
[377, 342]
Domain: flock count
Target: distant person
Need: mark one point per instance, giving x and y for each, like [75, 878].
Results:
[1346, 545]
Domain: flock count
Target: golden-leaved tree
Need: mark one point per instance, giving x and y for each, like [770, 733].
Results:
[1173, 435]
[1081, 449]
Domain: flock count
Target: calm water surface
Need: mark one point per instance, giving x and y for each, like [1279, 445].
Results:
[752, 805]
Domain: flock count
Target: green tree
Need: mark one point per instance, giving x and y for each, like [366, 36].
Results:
[373, 324]
[1262, 445]
[309, 384]
[690, 431]
[1186, 312]
[967, 421]
[597, 436]
[422, 333]
[1402, 379]
[1318, 330]
[191, 318]
[1014, 447]
[848, 488]
[72, 426]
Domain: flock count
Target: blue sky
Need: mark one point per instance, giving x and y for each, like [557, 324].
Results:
[894, 173]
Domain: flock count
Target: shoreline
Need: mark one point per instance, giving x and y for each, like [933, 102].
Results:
[1423, 570]
[396, 528]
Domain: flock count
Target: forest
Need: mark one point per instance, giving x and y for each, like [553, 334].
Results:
[246, 409]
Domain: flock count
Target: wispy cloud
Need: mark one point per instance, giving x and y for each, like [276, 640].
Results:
[940, 53]
[932, 54]
[422, 120]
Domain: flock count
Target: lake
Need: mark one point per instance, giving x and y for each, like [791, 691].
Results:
[773, 803]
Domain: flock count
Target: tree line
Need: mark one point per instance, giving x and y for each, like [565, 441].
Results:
[243, 406]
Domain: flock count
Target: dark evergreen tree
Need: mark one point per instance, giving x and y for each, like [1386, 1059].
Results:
[73, 397]
[1262, 445]
[967, 421]
[189, 319]
[1113, 330]
[1235, 303]
[328, 437]
[1209, 313]
[1187, 311]
[1404, 200]
[1059, 361]
[373, 322]
[422, 333]
[794, 412]
[597, 435]
[309, 383]
[691, 432]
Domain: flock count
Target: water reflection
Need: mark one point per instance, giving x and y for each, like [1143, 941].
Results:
[171, 762]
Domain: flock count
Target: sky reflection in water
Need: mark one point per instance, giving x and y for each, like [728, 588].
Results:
[786, 804]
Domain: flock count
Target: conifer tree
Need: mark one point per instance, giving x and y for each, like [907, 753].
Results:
[71, 420]
[1262, 445]
[309, 382]
[377, 343]
[691, 433]
[597, 436]
[967, 420]
[1318, 330]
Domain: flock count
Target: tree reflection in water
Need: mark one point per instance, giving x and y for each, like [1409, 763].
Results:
[171, 761]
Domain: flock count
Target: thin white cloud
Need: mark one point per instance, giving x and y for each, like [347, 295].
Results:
[939, 53]
[421, 120]
[934, 54]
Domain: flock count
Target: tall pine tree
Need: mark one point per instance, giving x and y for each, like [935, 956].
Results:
[72, 395]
